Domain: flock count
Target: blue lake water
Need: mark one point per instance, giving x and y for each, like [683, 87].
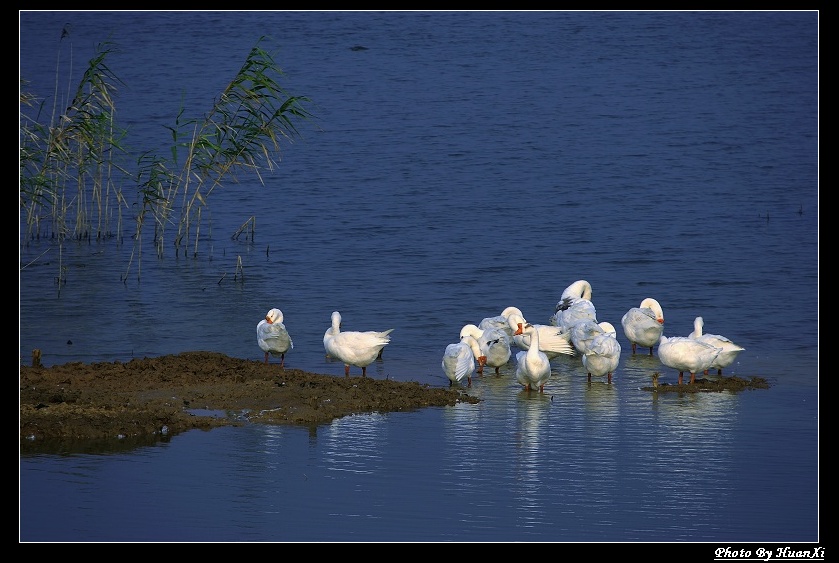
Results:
[458, 164]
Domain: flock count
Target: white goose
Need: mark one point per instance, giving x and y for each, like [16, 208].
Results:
[603, 353]
[729, 348]
[686, 355]
[584, 332]
[552, 341]
[501, 321]
[533, 368]
[354, 348]
[580, 289]
[459, 360]
[495, 348]
[574, 305]
[272, 336]
[644, 325]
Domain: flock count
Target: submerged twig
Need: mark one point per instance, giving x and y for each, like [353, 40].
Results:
[250, 222]
[35, 259]
[239, 269]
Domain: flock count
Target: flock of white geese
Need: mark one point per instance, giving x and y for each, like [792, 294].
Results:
[573, 330]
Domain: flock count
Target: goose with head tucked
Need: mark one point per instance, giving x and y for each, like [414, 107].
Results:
[574, 305]
[272, 336]
[580, 289]
[686, 355]
[585, 331]
[533, 368]
[495, 348]
[644, 325]
[730, 350]
[552, 341]
[501, 322]
[354, 348]
[603, 352]
[459, 359]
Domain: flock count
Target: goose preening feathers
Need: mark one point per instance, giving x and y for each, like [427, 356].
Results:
[495, 347]
[459, 359]
[501, 322]
[574, 305]
[644, 325]
[603, 352]
[272, 336]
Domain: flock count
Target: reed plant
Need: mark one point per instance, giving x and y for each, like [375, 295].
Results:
[69, 159]
[75, 184]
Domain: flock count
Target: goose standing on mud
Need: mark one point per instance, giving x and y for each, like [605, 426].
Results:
[272, 336]
[354, 348]
[686, 355]
[729, 348]
[459, 360]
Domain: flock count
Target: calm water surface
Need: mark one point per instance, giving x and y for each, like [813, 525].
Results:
[460, 163]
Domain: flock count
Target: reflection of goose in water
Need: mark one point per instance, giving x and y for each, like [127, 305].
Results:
[638, 367]
[531, 410]
[532, 419]
[366, 432]
[601, 419]
[675, 415]
[601, 397]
